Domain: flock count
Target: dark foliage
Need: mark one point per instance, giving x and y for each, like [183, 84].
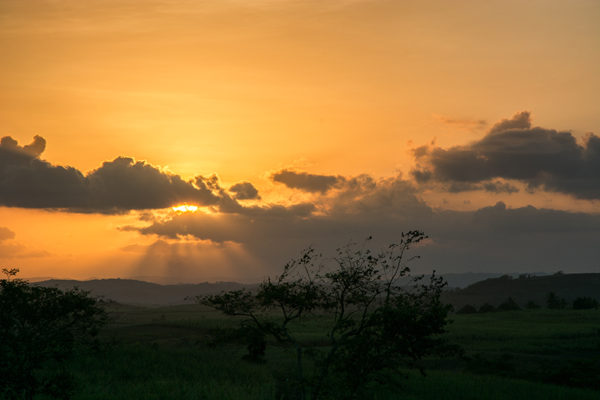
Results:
[39, 328]
[509, 305]
[554, 302]
[247, 335]
[376, 325]
[585, 303]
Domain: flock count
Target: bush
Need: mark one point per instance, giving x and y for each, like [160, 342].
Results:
[584, 303]
[554, 302]
[39, 327]
[376, 324]
[509, 305]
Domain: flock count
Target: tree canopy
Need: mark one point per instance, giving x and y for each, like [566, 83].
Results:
[39, 327]
[379, 318]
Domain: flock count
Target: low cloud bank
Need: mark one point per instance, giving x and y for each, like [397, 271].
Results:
[496, 238]
[119, 185]
[515, 150]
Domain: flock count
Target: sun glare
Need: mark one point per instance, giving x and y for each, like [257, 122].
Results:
[185, 208]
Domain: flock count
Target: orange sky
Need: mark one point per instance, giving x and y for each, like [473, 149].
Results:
[247, 88]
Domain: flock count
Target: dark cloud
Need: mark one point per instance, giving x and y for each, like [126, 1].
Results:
[6, 234]
[521, 120]
[125, 184]
[529, 220]
[117, 186]
[244, 191]
[491, 186]
[307, 182]
[34, 149]
[495, 238]
[514, 150]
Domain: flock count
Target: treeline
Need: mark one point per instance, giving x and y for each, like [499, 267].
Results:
[553, 302]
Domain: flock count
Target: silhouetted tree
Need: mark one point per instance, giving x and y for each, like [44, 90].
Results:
[509, 305]
[376, 324]
[584, 303]
[554, 302]
[39, 327]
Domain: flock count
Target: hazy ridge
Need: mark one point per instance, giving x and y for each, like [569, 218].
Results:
[130, 291]
[480, 288]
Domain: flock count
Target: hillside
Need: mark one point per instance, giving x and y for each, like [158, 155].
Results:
[129, 291]
[492, 290]
[525, 288]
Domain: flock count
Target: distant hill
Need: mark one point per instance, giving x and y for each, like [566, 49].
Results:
[141, 292]
[464, 279]
[525, 288]
[491, 290]
[129, 291]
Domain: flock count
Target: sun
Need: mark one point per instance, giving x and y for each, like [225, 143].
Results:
[185, 208]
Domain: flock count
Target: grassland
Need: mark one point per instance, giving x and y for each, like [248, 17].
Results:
[165, 353]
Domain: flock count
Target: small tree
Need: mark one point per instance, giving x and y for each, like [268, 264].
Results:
[554, 302]
[38, 329]
[375, 324]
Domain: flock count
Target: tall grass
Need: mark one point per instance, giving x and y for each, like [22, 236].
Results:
[164, 353]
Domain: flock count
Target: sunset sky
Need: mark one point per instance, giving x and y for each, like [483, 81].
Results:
[288, 123]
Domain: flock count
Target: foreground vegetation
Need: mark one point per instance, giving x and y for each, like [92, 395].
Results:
[370, 322]
[169, 353]
[349, 330]
[166, 353]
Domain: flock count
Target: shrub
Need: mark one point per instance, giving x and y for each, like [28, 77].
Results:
[509, 305]
[39, 327]
[554, 302]
[376, 324]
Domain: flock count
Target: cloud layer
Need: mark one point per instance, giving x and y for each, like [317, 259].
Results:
[260, 236]
[117, 186]
[514, 150]
[495, 238]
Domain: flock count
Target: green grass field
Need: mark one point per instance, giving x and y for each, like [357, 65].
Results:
[164, 353]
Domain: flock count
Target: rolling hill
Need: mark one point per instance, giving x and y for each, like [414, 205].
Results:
[129, 291]
[526, 288]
